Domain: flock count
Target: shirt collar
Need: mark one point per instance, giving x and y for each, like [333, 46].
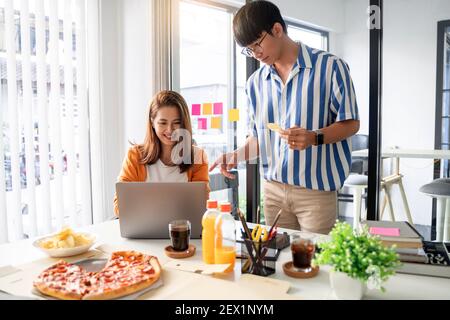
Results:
[303, 61]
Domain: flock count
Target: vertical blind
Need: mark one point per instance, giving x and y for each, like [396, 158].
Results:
[44, 147]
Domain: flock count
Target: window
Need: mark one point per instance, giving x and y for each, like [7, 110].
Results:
[212, 80]
[44, 118]
[443, 95]
[311, 37]
[444, 91]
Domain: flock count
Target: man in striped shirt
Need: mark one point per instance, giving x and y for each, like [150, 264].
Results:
[308, 97]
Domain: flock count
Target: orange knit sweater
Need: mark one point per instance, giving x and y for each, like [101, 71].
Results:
[134, 171]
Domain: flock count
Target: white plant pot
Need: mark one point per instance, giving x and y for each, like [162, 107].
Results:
[347, 288]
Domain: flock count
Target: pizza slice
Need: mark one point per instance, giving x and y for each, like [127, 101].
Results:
[64, 281]
[125, 273]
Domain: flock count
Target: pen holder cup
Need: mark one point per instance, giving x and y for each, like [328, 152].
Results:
[254, 257]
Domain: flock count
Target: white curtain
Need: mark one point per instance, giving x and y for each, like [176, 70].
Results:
[45, 164]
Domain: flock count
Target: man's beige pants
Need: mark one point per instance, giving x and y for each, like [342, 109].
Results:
[303, 209]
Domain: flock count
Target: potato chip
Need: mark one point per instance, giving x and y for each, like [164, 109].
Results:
[66, 238]
[274, 127]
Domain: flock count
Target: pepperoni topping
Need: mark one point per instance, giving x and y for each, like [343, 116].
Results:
[148, 269]
[122, 269]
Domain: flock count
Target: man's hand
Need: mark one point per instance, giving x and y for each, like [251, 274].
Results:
[298, 138]
[225, 162]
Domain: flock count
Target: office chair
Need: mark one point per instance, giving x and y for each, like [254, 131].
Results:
[218, 182]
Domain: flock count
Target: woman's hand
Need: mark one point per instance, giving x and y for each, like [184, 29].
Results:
[225, 162]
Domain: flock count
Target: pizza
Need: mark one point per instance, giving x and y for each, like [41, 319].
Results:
[125, 272]
[64, 281]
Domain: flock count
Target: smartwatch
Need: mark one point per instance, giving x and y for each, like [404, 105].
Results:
[319, 137]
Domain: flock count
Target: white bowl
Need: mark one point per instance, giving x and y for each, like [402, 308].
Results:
[65, 252]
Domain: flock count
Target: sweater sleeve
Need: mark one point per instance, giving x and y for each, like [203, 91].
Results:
[200, 171]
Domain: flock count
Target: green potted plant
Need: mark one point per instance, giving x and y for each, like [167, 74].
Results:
[359, 261]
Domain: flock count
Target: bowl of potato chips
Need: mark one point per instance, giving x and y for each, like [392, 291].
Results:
[65, 243]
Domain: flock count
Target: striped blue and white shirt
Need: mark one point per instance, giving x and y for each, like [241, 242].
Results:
[319, 92]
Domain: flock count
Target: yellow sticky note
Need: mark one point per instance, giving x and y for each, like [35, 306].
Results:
[216, 123]
[233, 115]
[207, 108]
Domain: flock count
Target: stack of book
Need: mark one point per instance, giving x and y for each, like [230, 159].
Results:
[408, 242]
[417, 256]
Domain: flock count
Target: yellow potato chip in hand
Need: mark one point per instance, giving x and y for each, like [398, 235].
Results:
[274, 127]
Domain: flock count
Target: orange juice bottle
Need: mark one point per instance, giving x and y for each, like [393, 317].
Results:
[225, 238]
[208, 224]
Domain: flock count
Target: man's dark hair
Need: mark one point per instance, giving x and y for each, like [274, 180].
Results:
[253, 19]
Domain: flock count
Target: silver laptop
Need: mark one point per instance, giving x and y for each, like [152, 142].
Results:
[146, 208]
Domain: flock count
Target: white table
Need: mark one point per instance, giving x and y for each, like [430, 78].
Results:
[400, 286]
[407, 153]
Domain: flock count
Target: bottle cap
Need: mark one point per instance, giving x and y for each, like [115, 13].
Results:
[225, 207]
[211, 204]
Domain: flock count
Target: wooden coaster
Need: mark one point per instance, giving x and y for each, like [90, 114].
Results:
[289, 270]
[171, 253]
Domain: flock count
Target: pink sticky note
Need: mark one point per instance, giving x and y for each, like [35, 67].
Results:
[389, 232]
[202, 123]
[196, 109]
[218, 108]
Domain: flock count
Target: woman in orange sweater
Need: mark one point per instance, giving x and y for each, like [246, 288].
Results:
[164, 157]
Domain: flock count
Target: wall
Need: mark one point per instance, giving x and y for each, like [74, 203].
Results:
[110, 98]
[136, 64]
[126, 82]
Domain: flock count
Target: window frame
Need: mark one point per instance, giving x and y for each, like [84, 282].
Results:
[175, 54]
[325, 34]
[439, 167]
[440, 90]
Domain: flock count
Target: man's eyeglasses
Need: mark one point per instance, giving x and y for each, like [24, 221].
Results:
[252, 52]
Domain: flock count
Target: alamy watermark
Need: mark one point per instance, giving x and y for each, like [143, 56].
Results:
[182, 150]
[374, 18]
